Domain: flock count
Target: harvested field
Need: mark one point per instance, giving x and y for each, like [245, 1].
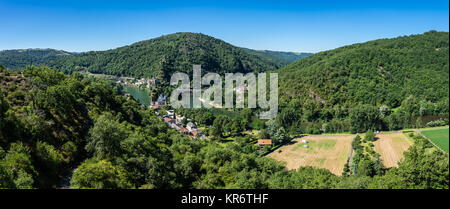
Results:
[328, 151]
[391, 147]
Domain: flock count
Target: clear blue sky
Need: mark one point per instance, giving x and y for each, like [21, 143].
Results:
[300, 26]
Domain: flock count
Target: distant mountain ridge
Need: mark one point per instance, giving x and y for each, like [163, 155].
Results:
[20, 58]
[162, 56]
[158, 57]
[281, 57]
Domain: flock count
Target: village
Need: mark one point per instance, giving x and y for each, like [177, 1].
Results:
[170, 118]
[130, 81]
[135, 82]
[175, 120]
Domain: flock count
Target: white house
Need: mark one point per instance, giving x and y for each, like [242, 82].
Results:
[170, 113]
[191, 126]
[179, 118]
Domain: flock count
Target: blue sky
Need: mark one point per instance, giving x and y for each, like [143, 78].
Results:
[300, 26]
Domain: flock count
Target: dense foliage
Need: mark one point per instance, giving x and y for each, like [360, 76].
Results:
[385, 84]
[384, 71]
[282, 58]
[20, 58]
[162, 56]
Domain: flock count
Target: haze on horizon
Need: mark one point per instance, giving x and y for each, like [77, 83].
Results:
[297, 26]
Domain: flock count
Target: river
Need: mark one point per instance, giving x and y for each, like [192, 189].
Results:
[141, 95]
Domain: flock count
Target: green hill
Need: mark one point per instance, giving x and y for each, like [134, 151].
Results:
[20, 58]
[158, 57]
[283, 58]
[164, 55]
[384, 71]
[385, 84]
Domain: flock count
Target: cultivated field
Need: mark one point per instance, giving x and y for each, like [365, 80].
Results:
[440, 137]
[391, 147]
[329, 152]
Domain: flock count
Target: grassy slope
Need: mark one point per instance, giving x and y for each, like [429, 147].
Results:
[439, 137]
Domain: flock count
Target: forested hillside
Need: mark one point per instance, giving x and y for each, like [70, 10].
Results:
[158, 57]
[283, 58]
[162, 56]
[51, 123]
[390, 83]
[20, 58]
[384, 71]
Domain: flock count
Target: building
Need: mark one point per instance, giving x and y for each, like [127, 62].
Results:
[184, 130]
[170, 113]
[194, 133]
[169, 120]
[264, 142]
[162, 100]
[304, 141]
[179, 118]
[173, 125]
[191, 126]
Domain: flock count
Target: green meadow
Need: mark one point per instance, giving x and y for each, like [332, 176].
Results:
[440, 137]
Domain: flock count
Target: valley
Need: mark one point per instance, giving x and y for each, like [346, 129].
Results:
[352, 114]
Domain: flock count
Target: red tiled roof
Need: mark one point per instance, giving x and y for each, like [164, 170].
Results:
[183, 130]
[168, 120]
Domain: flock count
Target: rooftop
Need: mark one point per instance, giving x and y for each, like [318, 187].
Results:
[265, 142]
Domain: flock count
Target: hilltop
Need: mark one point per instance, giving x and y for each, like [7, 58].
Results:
[283, 58]
[162, 56]
[383, 71]
[20, 58]
[385, 84]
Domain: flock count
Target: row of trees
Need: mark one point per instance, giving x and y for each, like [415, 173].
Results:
[313, 118]
[365, 161]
